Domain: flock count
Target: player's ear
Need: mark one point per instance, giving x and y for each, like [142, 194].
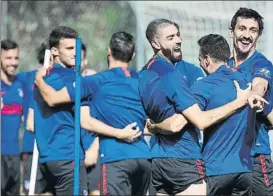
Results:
[109, 52]
[231, 34]
[208, 60]
[54, 51]
[155, 44]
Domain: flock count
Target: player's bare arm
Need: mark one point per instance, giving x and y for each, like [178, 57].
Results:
[50, 95]
[92, 153]
[270, 117]
[30, 120]
[169, 126]
[203, 119]
[259, 87]
[127, 134]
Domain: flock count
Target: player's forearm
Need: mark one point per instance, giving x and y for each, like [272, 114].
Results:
[46, 91]
[259, 86]
[93, 125]
[171, 125]
[259, 89]
[94, 146]
[30, 120]
[203, 119]
[50, 95]
[270, 117]
[215, 115]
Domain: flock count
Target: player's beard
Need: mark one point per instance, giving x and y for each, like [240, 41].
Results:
[169, 54]
[4, 70]
[242, 54]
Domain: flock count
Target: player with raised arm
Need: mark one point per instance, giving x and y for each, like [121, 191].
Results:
[11, 113]
[246, 28]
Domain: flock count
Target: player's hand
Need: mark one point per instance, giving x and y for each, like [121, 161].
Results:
[41, 72]
[242, 95]
[129, 134]
[91, 157]
[149, 127]
[256, 101]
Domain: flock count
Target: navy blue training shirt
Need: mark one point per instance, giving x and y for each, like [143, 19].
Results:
[11, 114]
[184, 144]
[225, 150]
[54, 126]
[258, 66]
[114, 100]
[27, 79]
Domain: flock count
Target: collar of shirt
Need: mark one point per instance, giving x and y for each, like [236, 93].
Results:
[253, 56]
[124, 71]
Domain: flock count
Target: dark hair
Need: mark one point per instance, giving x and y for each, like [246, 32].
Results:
[154, 25]
[216, 46]
[84, 50]
[61, 32]
[8, 44]
[122, 46]
[247, 13]
[41, 52]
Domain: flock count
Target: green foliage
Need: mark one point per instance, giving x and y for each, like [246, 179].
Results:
[30, 23]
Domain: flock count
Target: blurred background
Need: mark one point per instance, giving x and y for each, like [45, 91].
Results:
[30, 22]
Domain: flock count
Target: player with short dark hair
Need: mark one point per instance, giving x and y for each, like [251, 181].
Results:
[227, 144]
[246, 28]
[11, 113]
[54, 127]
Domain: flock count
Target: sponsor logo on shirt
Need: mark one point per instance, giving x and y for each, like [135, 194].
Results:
[20, 91]
[265, 72]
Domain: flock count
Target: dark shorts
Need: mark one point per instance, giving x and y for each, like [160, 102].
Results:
[230, 184]
[93, 177]
[59, 176]
[262, 175]
[126, 177]
[40, 185]
[10, 175]
[172, 175]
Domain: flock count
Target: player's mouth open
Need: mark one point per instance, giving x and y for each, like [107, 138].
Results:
[245, 43]
[177, 49]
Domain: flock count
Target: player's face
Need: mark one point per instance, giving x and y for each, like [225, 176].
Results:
[67, 52]
[245, 35]
[9, 61]
[169, 41]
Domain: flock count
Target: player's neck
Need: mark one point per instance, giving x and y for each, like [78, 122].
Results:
[7, 79]
[57, 61]
[115, 64]
[163, 56]
[216, 66]
[239, 59]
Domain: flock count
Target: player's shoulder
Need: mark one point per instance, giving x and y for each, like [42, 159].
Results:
[182, 64]
[159, 65]
[262, 60]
